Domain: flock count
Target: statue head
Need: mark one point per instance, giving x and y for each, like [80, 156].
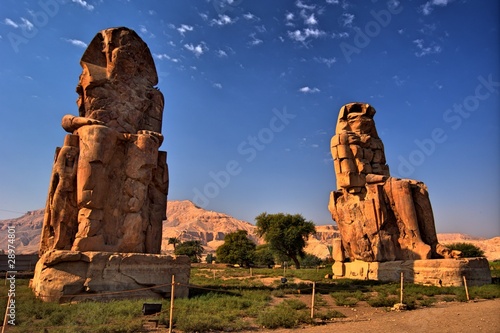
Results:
[357, 118]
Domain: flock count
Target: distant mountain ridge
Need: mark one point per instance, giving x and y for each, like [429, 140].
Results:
[187, 221]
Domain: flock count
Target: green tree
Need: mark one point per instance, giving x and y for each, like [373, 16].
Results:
[173, 241]
[237, 249]
[468, 250]
[310, 260]
[286, 234]
[264, 256]
[192, 249]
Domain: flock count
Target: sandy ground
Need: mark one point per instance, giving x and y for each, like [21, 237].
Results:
[454, 317]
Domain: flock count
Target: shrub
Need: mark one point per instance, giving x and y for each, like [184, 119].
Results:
[468, 250]
[329, 315]
[344, 298]
[382, 301]
[295, 304]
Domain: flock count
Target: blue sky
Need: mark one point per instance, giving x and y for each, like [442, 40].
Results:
[252, 92]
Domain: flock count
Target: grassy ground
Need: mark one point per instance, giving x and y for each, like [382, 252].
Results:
[231, 300]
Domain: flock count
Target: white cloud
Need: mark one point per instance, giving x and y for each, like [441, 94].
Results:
[333, 2]
[13, 24]
[327, 61]
[184, 28]
[84, 4]
[427, 8]
[163, 56]
[307, 90]
[76, 42]
[204, 16]
[198, 50]
[217, 85]
[255, 41]
[222, 20]
[221, 53]
[143, 29]
[302, 36]
[401, 31]
[347, 19]
[26, 24]
[301, 5]
[424, 50]
[250, 16]
[340, 35]
[311, 20]
[398, 81]
[289, 16]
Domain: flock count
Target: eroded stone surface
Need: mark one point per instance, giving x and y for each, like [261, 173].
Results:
[380, 218]
[109, 181]
[436, 272]
[65, 276]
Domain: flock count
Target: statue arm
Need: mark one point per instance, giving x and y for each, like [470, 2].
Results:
[71, 123]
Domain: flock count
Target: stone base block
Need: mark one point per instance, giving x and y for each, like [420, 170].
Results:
[436, 272]
[67, 276]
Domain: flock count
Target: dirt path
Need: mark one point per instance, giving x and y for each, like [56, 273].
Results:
[454, 317]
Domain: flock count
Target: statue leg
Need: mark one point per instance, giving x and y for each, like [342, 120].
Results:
[402, 201]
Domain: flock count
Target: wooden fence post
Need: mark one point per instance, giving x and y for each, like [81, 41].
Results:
[172, 295]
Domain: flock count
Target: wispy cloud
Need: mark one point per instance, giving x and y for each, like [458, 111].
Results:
[346, 19]
[84, 4]
[289, 16]
[307, 90]
[327, 61]
[164, 56]
[303, 35]
[25, 24]
[144, 30]
[223, 20]
[428, 7]
[198, 50]
[221, 53]
[310, 20]
[336, 35]
[76, 42]
[184, 28]
[398, 81]
[11, 23]
[424, 50]
[250, 16]
[302, 5]
[254, 40]
[332, 2]
[217, 85]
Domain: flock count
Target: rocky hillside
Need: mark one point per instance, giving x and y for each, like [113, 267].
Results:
[189, 222]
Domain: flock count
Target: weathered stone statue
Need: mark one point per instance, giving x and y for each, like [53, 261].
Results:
[109, 181]
[380, 218]
[107, 198]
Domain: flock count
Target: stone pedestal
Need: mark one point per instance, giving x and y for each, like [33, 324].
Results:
[436, 272]
[67, 276]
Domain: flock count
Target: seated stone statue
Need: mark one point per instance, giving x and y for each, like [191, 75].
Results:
[109, 181]
[380, 218]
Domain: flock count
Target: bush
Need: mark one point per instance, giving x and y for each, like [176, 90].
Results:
[468, 250]
[381, 301]
[283, 315]
[329, 315]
